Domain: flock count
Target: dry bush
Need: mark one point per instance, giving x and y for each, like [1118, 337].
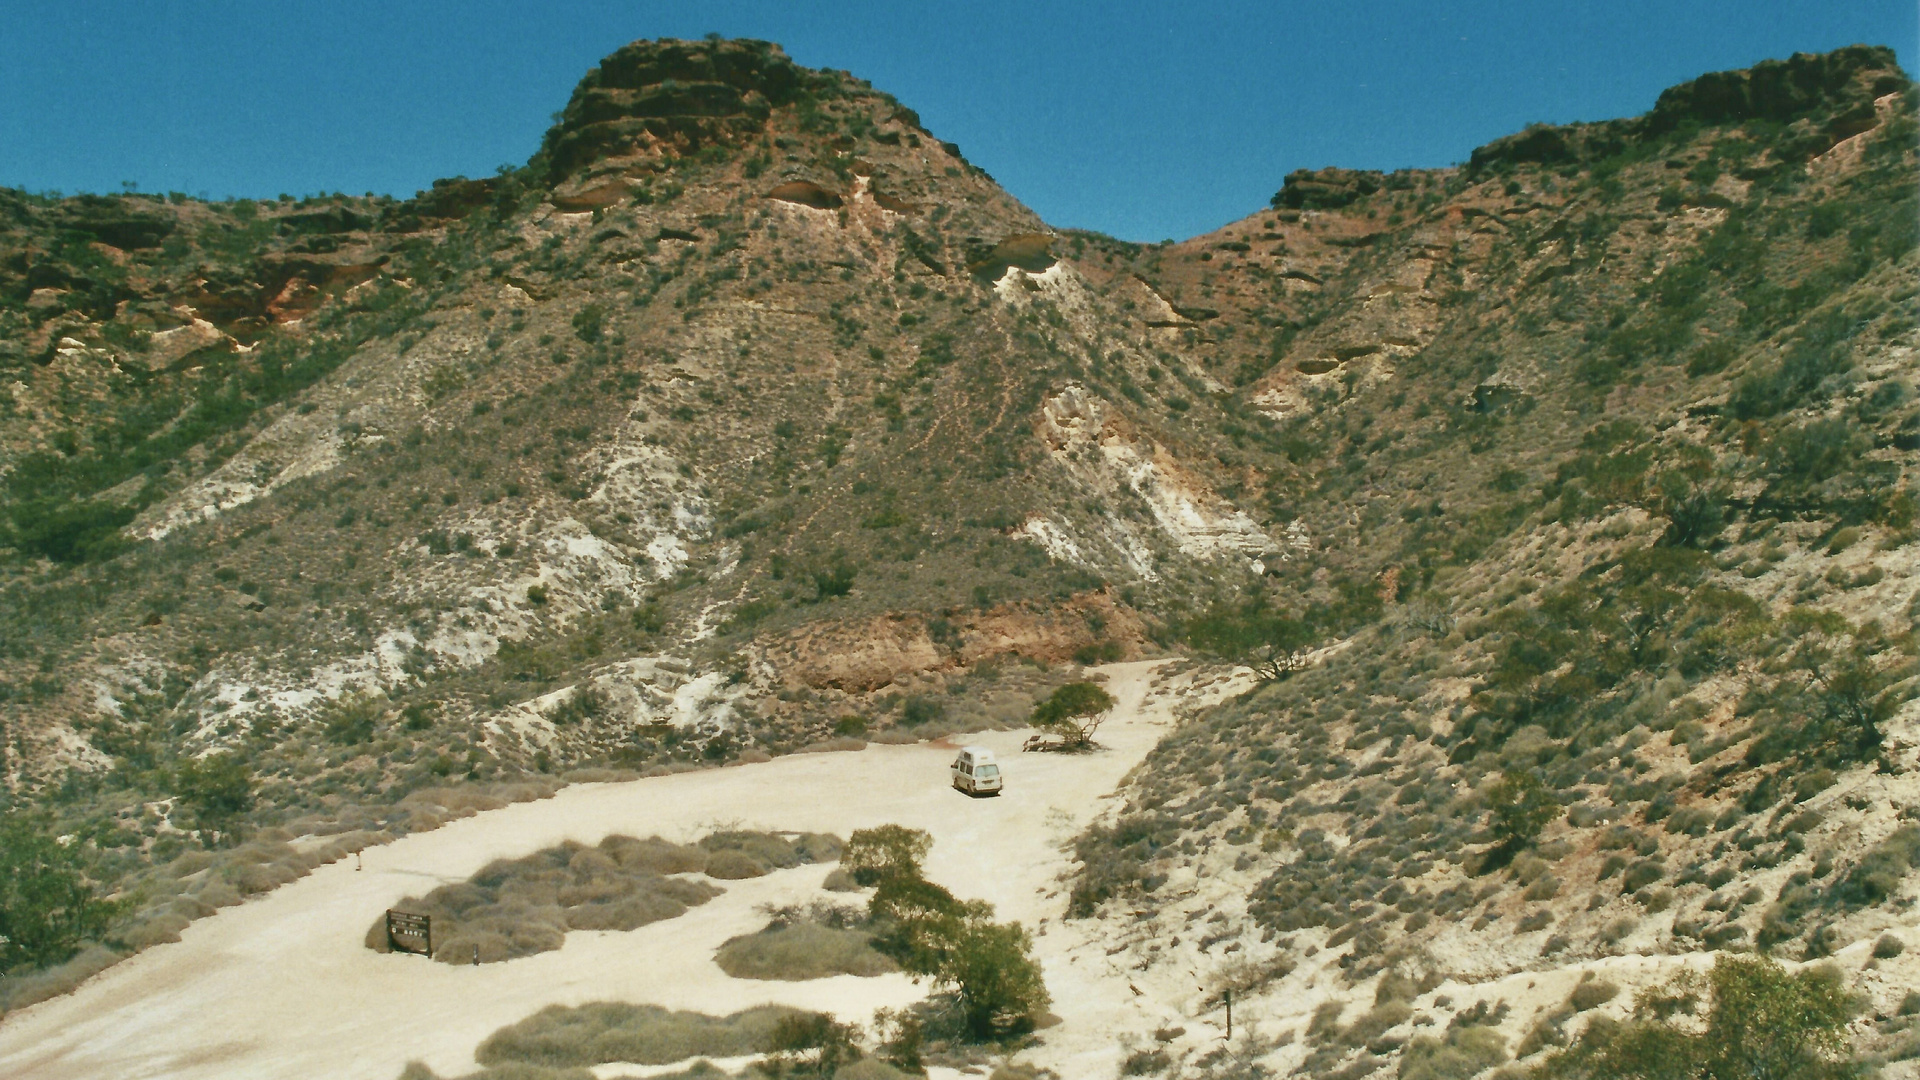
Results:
[836, 744]
[563, 1037]
[869, 1069]
[766, 851]
[25, 990]
[733, 865]
[654, 854]
[1591, 994]
[802, 949]
[1376, 1021]
[519, 907]
[1461, 1053]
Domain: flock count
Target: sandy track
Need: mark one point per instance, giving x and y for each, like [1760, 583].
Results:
[282, 986]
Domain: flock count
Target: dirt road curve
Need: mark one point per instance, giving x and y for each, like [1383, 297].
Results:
[282, 986]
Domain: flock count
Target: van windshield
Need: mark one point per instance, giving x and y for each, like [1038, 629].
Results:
[987, 770]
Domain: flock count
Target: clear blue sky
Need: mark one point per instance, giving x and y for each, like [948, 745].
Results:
[1142, 120]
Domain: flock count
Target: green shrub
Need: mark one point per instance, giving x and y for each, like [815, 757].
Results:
[1876, 877]
[836, 580]
[1252, 633]
[1521, 806]
[1376, 1020]
[587, 702]
[991, 965]
[815, 1043]
[351, 721]
[68, 532]
[47, 907]
[1641, 874]
[1763, 1021]
[217, 791]
[885, 851]
[1146, 1063]
[928, 931]
[920, 709]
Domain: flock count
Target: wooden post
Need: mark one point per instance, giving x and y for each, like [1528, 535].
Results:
[1229, 995]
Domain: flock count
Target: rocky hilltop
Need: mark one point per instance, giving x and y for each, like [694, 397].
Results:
[749, 418]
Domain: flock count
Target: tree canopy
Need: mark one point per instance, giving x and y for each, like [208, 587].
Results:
[1762, 1021]
[218, 790]
[1074, 712]
[1268, 640]
[884, 851]
[1521, 806]
[47, 906]
[929, 931]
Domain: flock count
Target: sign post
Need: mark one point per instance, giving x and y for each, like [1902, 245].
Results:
[410, 933]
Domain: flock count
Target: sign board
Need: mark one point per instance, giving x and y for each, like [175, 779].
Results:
[410, 933]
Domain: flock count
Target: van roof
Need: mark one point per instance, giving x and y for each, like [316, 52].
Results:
[976, 751]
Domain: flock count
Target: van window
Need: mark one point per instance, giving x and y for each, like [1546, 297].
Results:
[989, 771]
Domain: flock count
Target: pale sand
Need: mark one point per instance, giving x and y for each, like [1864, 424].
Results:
[282, 986]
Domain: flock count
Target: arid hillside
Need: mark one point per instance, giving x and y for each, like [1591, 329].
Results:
[1561, 502]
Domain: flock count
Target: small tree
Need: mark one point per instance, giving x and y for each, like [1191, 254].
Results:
[1074, 712]
[901, 1037]
[1521, 807]
[917, 922]
[47, 908]
[992, 968]
[1763, 1022]
[1768, 1022]
[1270, 642]
[352, 720]
[929, 931]
[1845, 673]
[216, 790]
[884, 851]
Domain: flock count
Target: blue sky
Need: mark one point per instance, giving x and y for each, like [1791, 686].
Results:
[1147, 121]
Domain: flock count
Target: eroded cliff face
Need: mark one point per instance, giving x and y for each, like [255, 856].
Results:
[744, 351]
[750, 415]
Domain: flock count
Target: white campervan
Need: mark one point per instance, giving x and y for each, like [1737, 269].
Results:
[975, 771]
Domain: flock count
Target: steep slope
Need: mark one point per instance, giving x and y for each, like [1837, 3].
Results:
[743, 418]
[1619, 418]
